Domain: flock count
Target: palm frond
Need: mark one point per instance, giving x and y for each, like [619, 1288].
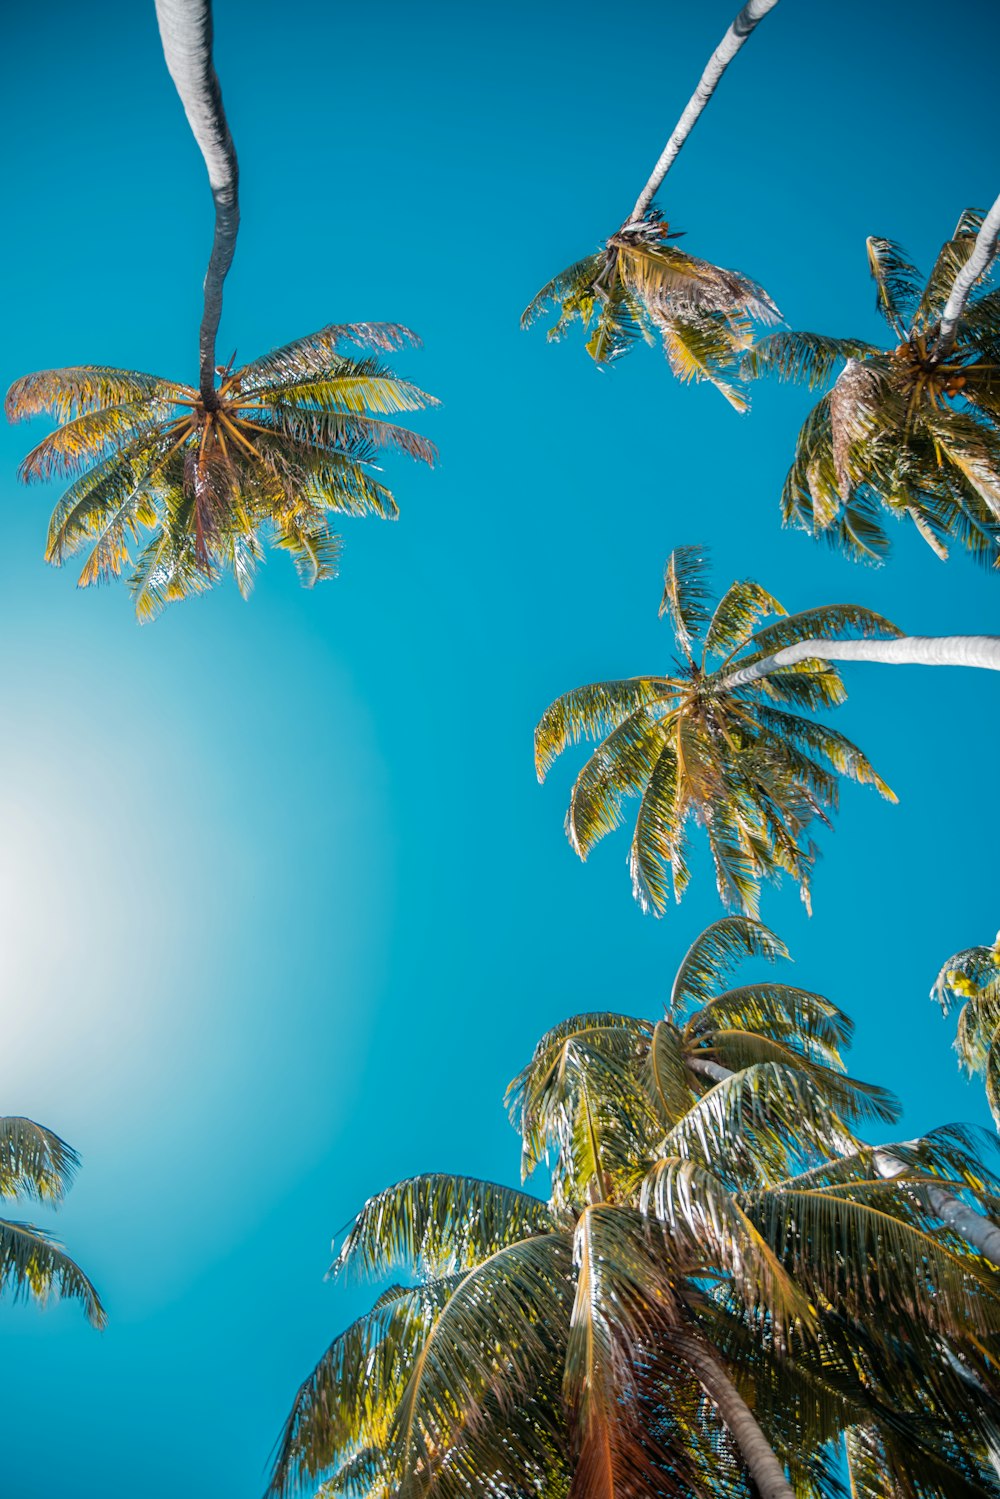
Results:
[33, 1264]
[898, 283]
[592, 711]
[34, 1162]
[436, 1225]
[75, 391]
[723, 946]
[807, 358]
[686, 594]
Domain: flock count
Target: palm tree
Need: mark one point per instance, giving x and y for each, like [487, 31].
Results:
[640, 285]
[695, 742]
[688, 1311]
[205, 474]
[714, 739]
[912, 430]
[35, 1163]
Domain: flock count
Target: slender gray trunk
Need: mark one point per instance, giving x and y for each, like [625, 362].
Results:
[978, 262]
[762, 1462]
[917, 650]
[978, 1231]
[719, 61]
[186, 33]
[708, 1069]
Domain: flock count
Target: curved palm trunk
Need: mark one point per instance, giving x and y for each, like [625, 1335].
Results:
[719, 61]
[915, 650]
[758, 1454]
[978, 262]
[186, 33]
[978, 1231]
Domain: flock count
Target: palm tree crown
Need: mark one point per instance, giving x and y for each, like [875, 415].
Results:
[910, 431]
[693, 1307]
[639, 285]
[35, 1163]
[692, 743]
[278, 445]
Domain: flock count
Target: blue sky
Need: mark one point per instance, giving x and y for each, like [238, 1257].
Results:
[283, 905]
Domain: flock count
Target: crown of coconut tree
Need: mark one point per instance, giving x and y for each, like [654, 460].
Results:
[179, 483]
[640, 285]
[697, 743]
[36, 1164]
[690, 1312]
[911, 431]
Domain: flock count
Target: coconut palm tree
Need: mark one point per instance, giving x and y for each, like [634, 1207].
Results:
[35, 1163]
[714, 739]
[910, 431]
[689, 1311]
[638, 284]
[200, 476]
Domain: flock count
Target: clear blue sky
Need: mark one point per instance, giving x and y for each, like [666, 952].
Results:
[283, 905]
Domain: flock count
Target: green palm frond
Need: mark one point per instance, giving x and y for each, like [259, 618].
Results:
[438, 1424]
[70, 393]
[590, 712]
[619, 768]
[898, 283]
[33, 1264]
[715, 953]
[686, 594]
[436, 1225]
[759, 1120]
[34, 1162]
[736, 616]
[809, 358]
[331, 1418]
[813, 1024]
[318, 353]
[712, 1229]
[845, 1237]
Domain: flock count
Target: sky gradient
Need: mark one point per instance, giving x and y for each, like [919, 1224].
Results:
[283, 905]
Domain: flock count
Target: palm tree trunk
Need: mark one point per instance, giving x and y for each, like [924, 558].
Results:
[978, 262]
[719, 61]
[916, 650]
[186, 33]
[708, 1069]
[978, 1231]
[758, 1454]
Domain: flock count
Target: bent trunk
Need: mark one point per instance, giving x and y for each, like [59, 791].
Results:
[916, 650]
[186, 33]
[762, 1463]
[978, 1231]
[977, 264]
[719, 61]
